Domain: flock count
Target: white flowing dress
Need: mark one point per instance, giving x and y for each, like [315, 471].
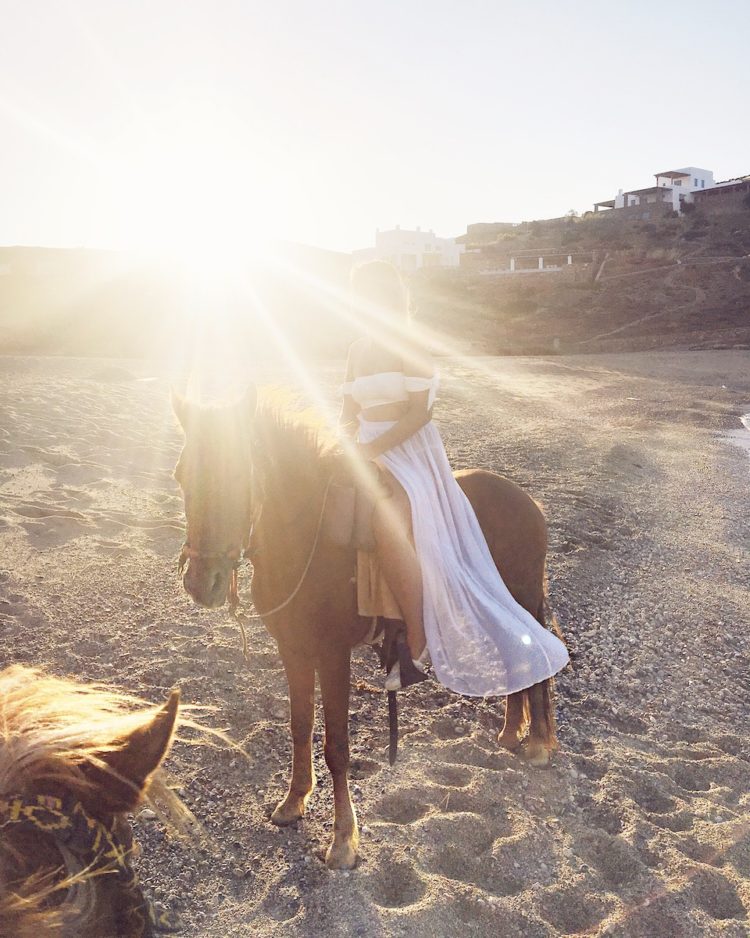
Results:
[481, 641]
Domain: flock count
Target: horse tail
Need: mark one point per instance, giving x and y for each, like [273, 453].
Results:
[544, 614]
[547, 618]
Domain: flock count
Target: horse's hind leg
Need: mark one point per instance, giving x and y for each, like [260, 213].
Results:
[300, 674]
[334, 689]
[542, 740]
[515, 722]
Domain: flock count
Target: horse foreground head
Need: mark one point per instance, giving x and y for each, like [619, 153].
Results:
[74, 759]
[214, 472]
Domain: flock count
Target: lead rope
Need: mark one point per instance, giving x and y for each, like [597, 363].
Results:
[234, 597]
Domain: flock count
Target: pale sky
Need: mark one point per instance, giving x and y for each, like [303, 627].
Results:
[129, 124]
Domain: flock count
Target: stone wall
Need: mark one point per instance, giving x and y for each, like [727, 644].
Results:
[646, 211]
[724, 200]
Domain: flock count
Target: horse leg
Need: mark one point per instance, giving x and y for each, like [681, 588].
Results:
[300, 674]
[515, 722]
[334, 670]
[542, 740]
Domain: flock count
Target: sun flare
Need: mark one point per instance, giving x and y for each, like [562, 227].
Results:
[192, 189]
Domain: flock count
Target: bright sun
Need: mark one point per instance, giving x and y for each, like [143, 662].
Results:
[193, 190]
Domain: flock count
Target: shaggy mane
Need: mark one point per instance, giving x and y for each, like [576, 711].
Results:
[293, 439]
[50, 730]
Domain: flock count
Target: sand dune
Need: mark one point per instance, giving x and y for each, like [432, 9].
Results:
[641, 828]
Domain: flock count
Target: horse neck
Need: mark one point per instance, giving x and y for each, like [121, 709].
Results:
[294, 477]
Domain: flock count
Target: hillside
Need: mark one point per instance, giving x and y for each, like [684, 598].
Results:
[633, 284]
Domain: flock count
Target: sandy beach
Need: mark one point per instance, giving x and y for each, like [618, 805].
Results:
[642, 826]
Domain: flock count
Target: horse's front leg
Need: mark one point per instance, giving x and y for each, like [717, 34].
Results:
[542, 741]
[514, 725]
[334, 689]
[300, 674]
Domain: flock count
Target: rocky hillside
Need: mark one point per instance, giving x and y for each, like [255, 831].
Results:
[633, 284]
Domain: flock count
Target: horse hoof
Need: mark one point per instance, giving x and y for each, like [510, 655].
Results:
[509, 741]
[341, 856]
[288, 811]
[537, 756]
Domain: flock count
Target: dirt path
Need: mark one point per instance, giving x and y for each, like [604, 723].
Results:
[699, 297]
[640, 829]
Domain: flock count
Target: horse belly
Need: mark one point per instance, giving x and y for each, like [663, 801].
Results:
[515, 531]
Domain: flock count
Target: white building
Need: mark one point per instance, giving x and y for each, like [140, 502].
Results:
[673, 187]
[411, 250]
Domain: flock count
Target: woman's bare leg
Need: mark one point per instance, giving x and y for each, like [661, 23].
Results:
[398, 559]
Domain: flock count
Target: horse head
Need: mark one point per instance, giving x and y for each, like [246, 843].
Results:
[215, 474]
[74, 760]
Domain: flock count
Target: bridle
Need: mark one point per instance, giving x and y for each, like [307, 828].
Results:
[235, 555]
[232, 558]
[97, 846]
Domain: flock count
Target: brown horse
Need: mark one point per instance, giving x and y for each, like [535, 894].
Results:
[257, 467]
[74, 758]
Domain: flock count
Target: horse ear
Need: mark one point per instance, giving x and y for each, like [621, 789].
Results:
[133, 762]
[181, 408]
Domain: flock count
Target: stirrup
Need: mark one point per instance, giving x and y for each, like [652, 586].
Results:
[407, 670]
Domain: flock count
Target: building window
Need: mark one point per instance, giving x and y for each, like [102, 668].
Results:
[695, 182]
[703, 183]
[678, 182]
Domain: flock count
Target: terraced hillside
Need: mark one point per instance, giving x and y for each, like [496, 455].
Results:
[677, 283]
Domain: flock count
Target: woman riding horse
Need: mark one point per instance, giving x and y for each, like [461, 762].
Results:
[256, 478]
[429, 545]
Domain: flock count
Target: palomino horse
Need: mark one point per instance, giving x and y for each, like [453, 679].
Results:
[74, 758]
[254, 478]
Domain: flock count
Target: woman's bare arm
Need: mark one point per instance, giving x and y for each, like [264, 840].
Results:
[417, 364]
[349, 407]
[416, 417]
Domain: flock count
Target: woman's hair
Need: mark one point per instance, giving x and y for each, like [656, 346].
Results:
[381, 286]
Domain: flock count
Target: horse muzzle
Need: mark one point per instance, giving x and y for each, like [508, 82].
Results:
[207, 584]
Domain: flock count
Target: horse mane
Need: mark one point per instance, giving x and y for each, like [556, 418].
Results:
[294, 441]
[51, 730]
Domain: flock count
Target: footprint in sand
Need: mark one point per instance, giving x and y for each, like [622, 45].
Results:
[612, 857]
[364, 768]
[715, 894]
[649, 797]
[573, 910]
[395, 885]
[403, 807]
[452, 776]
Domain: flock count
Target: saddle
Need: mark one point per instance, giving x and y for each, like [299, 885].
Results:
[347, 518]
[347, 522]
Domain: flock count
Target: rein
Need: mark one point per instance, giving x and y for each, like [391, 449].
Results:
[96, 844]
[234, 598]
[234, 555]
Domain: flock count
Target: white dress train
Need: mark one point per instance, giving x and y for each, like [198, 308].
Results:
[481, 641]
